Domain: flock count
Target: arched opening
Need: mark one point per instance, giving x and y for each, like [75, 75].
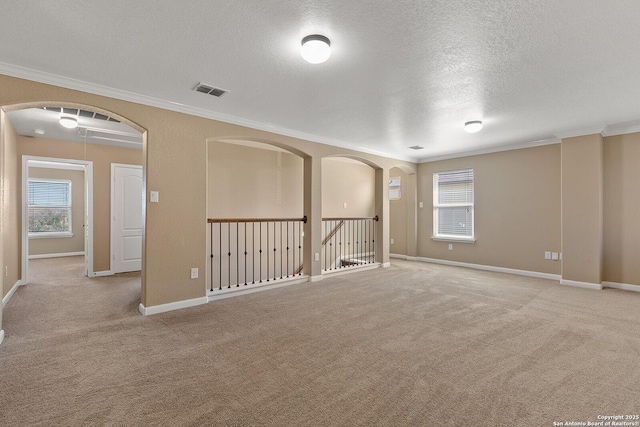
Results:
[255, 211]
[350, 213]
[58, 197]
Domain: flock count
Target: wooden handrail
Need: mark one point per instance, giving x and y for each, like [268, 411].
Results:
[333, 233]
[303, 219]
[221, 220]
[324, 242]
[375, 218]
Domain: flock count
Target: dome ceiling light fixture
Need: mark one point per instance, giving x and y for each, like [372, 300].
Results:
[316, 48]
[69, 122]
[473, 126]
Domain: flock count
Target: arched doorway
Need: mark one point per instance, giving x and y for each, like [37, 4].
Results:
[34, 139]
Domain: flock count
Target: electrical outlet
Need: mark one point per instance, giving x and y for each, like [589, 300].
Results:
[554, 256]
[547, 255]
[316, 257]
[450, 246]
[421, 205]
[392, 241]
[194, 273]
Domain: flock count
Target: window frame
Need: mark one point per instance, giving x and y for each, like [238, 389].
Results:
[51, 234]
[436, 205]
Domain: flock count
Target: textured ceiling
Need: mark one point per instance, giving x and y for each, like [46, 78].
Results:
[400, 74]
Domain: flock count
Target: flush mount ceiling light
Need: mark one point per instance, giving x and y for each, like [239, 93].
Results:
[316, 48]
[473, 127]
[69, 122]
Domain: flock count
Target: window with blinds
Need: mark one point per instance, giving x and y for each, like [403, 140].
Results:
[49, 207]
[453, 205]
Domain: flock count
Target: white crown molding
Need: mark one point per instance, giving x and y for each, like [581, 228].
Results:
[609, 130]
[96, 89]
[583, 132]
[510, 147]
[621, 128]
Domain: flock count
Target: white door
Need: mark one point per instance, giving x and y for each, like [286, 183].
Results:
[126, 218]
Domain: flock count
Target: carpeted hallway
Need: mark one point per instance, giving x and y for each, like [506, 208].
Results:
[411, 345]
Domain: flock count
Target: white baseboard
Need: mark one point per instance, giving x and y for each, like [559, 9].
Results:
[12, 291]
[585, 285]
[348, 270]
[162, 308]
[405, 257]
[492, 268]
[1, 336]
[41, 256]
[250, 289]
[102, 273]
[624, 286]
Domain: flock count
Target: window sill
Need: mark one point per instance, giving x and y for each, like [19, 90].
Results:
[50, 235]
[454, 239]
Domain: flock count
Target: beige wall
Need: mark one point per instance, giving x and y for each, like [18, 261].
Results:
[175, 166]
[249, 182]
[347, 181]
[582, 210]
[102, 156]
[398, 215]
[65, 245]
[12, 221]
[517, 209]
[621, 263]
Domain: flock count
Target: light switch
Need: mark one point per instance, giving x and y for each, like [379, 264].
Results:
[153, 198]
[554, 256]
[421, 205]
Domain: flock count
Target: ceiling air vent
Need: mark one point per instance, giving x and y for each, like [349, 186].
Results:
[210, 90]
[417, 147]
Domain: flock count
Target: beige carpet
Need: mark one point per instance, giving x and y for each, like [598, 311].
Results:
[411, 345]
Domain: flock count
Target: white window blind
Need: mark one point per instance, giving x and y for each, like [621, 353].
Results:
[453, 204]
[49, 206]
